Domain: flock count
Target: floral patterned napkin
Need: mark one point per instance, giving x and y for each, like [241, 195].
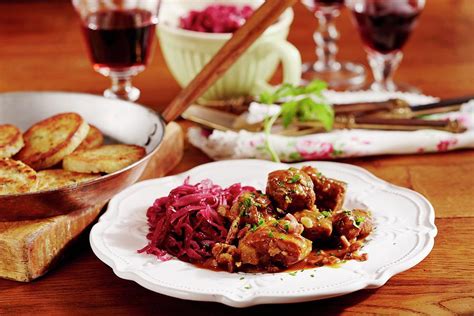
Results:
[341, 143]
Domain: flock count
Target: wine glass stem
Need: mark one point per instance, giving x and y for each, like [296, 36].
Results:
[326, 40]
[122, 88]
[383, 67]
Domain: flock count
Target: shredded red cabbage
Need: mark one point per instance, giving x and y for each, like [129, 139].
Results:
[216, 19]
[186, 223]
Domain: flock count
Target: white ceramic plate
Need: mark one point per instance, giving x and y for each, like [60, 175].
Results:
[404, 235]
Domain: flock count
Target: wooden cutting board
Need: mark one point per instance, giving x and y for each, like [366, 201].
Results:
[28, 249]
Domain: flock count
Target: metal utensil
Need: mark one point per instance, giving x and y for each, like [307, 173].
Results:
[395, 108]
[227, 121]
[122, 121]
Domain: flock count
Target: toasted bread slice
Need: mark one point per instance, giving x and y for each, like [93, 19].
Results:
[108, 158]
[49, 141]
[16, 177]
[58, 178]
[11, 140]
[94, 139]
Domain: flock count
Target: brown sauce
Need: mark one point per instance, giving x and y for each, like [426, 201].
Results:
[333, 258]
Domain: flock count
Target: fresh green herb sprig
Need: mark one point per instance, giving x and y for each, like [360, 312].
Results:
[301, 106]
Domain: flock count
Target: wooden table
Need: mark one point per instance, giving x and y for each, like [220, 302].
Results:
[42, 49]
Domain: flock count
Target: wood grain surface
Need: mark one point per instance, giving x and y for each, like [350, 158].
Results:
[42, 49]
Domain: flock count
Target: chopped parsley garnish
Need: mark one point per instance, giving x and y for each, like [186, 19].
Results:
[247, 202]
[293, 273]
[260, 222]
[270, 234]
[241, 278]
[247, 287]
[286, 226]
[311, 275]
[359, 220]
[326, 213]
[319, 174]
[295, 178]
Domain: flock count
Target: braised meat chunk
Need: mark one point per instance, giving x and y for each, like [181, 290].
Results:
[274, 245]
[317, 225]
[329, 192]
[250, 209]
[291, 190]
[352, 225]
[226, 256]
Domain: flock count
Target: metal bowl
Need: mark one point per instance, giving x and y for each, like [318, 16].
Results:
[120, 121]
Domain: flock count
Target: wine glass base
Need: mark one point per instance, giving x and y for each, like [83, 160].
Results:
[340, 76]
[131, 94]
[395, 87]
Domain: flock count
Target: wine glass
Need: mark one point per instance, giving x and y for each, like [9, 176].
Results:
[119, 35]
[385, 26]
[342, 75]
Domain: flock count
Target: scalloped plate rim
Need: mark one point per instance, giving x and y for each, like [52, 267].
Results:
[363, 283]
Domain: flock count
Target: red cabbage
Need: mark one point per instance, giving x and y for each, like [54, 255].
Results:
[186, 223]
[216, 19]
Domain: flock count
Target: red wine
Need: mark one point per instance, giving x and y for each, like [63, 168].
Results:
[386, 25]
[119, 39]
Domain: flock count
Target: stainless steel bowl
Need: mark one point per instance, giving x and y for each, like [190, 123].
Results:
[120, 121]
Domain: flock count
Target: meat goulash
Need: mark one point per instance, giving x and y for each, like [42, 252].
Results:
[299, 222]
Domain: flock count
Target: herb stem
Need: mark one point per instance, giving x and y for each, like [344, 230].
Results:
[268, 123]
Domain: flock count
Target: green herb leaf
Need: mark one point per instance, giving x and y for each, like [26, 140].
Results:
[295, 178]
[326, 213]
[286, 90]
[247, 202]
[266, 98]
[359, 220]
[316, 87]
[305, 110]
[288, 112]
[309, 110]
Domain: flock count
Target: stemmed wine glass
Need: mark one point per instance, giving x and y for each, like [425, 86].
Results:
[384, 26]
[119, 35]
[342, 75]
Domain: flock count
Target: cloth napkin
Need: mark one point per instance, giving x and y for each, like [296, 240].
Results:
[341, 143]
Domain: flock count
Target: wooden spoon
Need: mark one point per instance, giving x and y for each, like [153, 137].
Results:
[268, 13]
